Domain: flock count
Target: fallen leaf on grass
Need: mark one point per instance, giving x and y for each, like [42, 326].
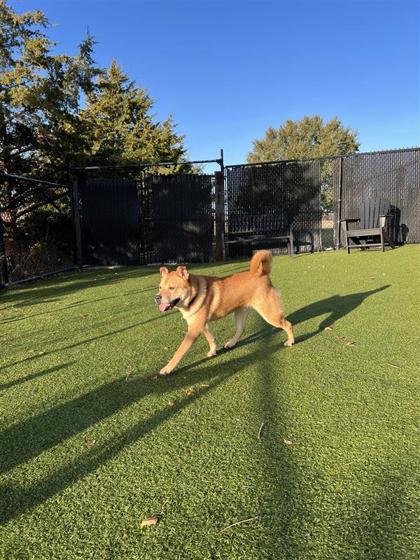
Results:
[392, 365]
[287, 441]
[154, 520]
[350, 343]
[261, 430]
[171, 403]
[328, 329]
[83, 316]
[189, 392]
[338, 337]
[90, 441]
[129, 371]
[40, 353]
[204, 385]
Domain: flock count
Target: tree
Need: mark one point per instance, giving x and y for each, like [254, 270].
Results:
[40, 96]
[308, 138]
[119, 120]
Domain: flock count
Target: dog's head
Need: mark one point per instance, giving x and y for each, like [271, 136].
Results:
[174, 288]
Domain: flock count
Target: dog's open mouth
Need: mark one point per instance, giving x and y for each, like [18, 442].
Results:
[167, 306]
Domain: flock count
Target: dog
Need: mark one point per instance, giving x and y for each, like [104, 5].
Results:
[201, 299]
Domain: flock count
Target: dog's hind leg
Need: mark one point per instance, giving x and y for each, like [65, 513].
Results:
[211, 340]
[271, 310]
[240, 317]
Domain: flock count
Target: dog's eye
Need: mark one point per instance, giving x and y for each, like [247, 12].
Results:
[171, 288]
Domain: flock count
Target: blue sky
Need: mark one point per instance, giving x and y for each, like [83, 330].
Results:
[227, 70]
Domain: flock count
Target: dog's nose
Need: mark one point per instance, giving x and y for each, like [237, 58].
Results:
[158, 299]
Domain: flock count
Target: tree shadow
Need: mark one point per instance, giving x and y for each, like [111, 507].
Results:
[336, 306]
[26, 440]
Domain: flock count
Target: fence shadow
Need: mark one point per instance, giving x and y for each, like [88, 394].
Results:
[282, 514]
[84, 341]
[32, 376]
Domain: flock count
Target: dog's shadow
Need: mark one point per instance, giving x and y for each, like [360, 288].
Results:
[335, 306]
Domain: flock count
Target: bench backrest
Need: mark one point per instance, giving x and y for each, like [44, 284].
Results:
[370, 211]
[259, 223]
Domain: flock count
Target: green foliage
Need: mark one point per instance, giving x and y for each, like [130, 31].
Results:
[40, 96]
[44, 125]
[308, 138]
[121, 127]
[305, 139]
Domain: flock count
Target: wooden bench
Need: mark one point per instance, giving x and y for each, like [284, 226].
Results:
[373, 226]
[246, 238]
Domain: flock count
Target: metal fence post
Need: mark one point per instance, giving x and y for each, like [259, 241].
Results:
[340, 190]
[4, 272]
[220, 210]
[76, 220]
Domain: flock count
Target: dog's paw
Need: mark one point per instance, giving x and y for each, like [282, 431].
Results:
[165, 371]
[288, 343]
[211, 354]
[229, 344]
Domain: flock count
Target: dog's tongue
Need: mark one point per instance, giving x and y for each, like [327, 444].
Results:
[164, 306]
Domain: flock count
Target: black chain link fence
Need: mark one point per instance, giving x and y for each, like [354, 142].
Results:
[392, 175]
[171, 218]
[269, 199]
[37, 235]
[176, 218]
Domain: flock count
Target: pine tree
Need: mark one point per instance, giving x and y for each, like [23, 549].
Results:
[121, 125]
[40, 96]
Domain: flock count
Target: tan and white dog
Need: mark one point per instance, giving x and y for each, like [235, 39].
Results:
[206, 298]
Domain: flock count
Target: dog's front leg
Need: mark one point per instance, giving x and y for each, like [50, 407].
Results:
[190, 337]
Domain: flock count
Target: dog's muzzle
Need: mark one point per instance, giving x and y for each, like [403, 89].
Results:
[166, 306]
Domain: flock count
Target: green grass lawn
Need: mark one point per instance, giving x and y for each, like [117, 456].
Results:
[92, 441]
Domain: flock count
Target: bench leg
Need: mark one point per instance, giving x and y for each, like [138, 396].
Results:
[347, 245]
[388, 240]
[291, 244]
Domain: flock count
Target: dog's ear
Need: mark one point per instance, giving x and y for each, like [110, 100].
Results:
[163, 270]
[183, 272]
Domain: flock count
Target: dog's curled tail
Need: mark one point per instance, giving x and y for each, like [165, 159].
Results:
[261, 263]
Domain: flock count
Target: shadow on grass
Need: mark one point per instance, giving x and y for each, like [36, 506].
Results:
[337, 306]
[49, 290]
[52, 289]
[84, 341]
[24, 441]
[384, 523]
[32, 376]
[283, 515]
[75, 304]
